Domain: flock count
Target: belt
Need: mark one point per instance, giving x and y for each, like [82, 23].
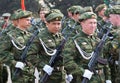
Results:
[61, 68]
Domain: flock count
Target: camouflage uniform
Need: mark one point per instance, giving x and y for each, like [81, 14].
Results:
[101, 19]
[112, 46]
[75, 63]
[72, 21]
[40, 22]
[51, 41]
[12, 49]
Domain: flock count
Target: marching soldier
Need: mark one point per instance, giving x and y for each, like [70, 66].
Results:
[50, 39]
[77, 52]
[112, 49]
[73, 12]
[100, 9]
[41, 20]
[12, 46]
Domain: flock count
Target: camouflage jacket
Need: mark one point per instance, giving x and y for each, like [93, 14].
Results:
[51, 41]
[71, 28]
[73, 59]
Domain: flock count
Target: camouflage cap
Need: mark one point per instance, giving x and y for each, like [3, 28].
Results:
[53, 15]
[23, 14]
[100, 7]
[6, 14]
[88, 9]
[20, 14]
[79, 10]
[75, 9]
[87, 15]
[14, 16]
[114, 10]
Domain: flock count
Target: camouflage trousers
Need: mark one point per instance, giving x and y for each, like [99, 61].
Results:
[96, 78]
[25, 76]
[58, 76]
[99, 77]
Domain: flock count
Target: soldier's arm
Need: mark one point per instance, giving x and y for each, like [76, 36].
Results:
[69, 59]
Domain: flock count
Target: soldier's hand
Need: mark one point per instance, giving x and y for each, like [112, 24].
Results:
[108, 81]
[20, 65]
[69, 78]
[88, 74]
[48, 69]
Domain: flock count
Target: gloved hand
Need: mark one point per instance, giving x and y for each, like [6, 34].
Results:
[48, 69]
[69, 78]
[108, 81]
[20, 65]
[88, 74]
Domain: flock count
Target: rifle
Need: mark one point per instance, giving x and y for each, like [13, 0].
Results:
[96, 52]
[57, 54]
[24, 53]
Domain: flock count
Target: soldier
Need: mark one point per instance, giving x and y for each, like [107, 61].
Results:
[12, 46]
[112, 48]
[50, 39]
[77, 52]
[41, 20]
[6, 22]
[100, 9]
[74, 12]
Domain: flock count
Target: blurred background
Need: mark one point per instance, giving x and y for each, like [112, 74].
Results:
[34, 5]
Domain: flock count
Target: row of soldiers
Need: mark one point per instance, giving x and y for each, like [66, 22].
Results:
[28, 46]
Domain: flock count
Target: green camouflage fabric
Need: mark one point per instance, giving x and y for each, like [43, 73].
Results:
[68, 28]
[87, 15]
[88, 9]
[51, 41]
[75, 9]
[38, 25]
[54, 14]
[112, 51]
[11, 54]
[75, 63]
[114, 10]
[23, 14]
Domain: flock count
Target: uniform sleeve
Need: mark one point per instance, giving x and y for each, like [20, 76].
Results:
[5, 50]
[106, 55]
[69, 55]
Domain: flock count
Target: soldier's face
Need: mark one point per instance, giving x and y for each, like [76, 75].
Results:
[54, 26]
[115, 19]
[24, 22]
[101, 13]
[89, 26]
[42, 15]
